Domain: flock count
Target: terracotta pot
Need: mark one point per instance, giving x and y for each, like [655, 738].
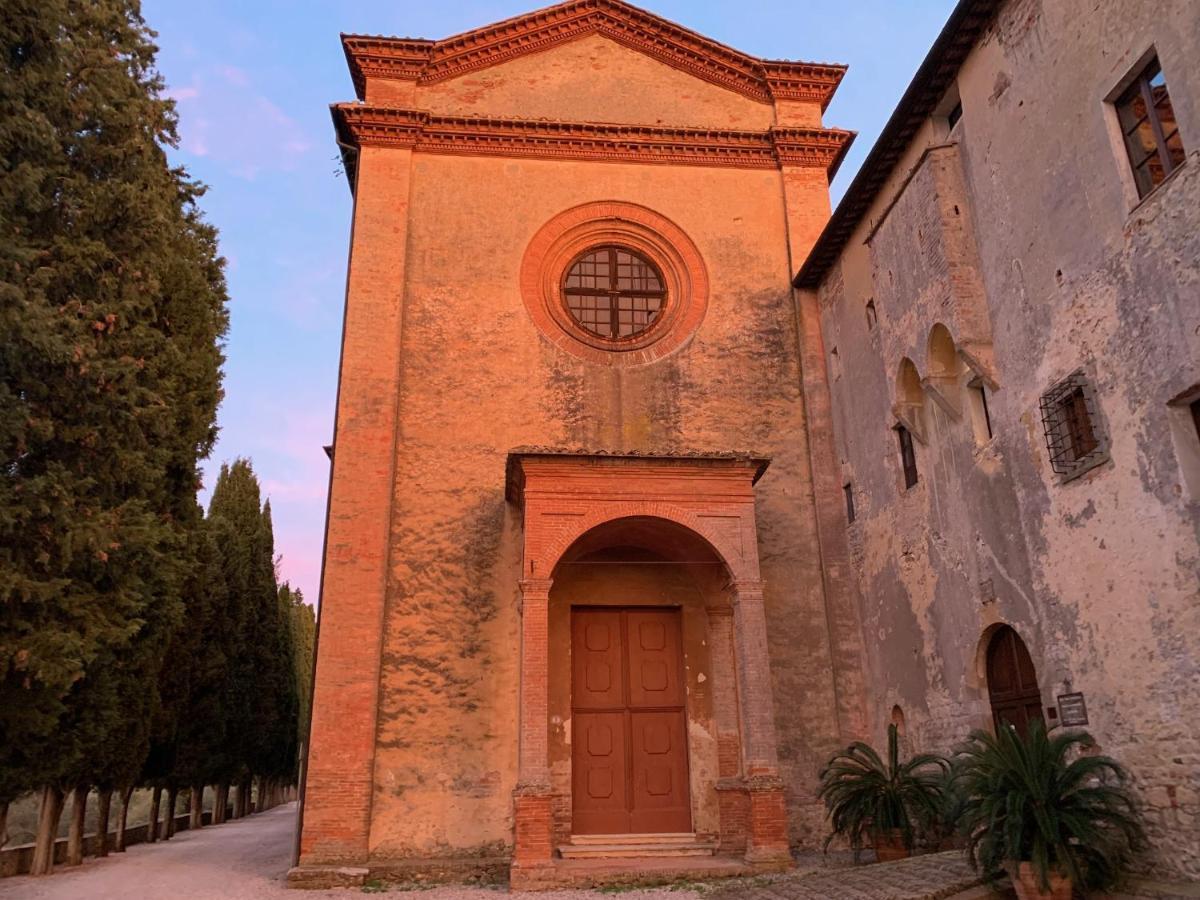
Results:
[889, 845]
[1028, 887]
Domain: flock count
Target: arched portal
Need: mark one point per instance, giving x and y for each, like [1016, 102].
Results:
[641, 676]
[645, 697]
[1012, 681]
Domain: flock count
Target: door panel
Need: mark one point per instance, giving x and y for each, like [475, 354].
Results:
[599, 784]
[655, 658]
[659, 759]
[596, 659]
[629, 724]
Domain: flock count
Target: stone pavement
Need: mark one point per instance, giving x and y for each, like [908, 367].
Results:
[932, 877]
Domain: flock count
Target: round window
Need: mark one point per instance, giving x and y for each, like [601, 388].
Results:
[614, 293]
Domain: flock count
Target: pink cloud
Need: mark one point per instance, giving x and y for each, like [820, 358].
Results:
[223, 118]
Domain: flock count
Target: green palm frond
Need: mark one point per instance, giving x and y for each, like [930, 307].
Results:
[866, 796]
[1041, 798]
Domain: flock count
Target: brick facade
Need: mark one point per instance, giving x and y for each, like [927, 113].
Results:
[443, 701]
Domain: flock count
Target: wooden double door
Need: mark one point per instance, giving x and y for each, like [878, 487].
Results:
[629, 761]
[1012, 682]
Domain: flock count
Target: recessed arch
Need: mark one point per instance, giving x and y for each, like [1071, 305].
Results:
[724, 545]
[942, 353]
[909, 392]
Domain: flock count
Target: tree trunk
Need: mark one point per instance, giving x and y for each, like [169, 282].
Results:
[196, 807]
[79, 799]
[104, 799]
[152, 824]
[248, 802]
[221, 815]
[3, 823]
[123, 819]
[48, 816]
[172, 797]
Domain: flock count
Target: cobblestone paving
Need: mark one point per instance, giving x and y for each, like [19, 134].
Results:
[931, 877]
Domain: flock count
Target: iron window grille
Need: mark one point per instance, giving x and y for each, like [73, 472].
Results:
[1149, 128]
[1071, 419]
[614, 292]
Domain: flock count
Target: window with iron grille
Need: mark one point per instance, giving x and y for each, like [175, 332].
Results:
[1148, 125]
[1071, 419]
[908, 456]
[614, 292]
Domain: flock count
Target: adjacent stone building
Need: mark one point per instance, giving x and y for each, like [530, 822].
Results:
[1009, 302]
[629, 528]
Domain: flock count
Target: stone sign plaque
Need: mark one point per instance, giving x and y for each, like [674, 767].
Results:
[1072, 709]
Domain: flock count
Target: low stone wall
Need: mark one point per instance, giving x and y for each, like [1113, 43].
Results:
[17, 860]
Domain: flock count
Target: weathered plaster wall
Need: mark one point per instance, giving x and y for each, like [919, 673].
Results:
[575, 81]
[1099, 574]
[477, 379]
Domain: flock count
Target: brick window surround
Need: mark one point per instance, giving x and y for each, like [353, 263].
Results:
[664, 244]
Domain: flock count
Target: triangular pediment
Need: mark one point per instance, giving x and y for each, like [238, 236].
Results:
[594, 78]
[429, 62]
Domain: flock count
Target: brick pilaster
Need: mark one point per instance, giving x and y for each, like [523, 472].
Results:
[533, 815]
[754, 680]
[340, 769]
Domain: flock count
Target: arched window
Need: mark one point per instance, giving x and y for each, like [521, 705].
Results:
[1012, 681]
[614, 292]
[943, 355]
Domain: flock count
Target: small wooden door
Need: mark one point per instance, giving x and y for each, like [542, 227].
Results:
[1012, 682]
[629, 766]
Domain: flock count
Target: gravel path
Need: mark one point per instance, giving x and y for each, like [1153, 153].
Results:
[248, 858]
[241, 860]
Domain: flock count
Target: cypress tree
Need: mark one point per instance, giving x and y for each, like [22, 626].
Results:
[112, 304]
[304, 641]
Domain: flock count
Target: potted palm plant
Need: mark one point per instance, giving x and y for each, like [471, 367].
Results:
[885, 802]
[1045, 811]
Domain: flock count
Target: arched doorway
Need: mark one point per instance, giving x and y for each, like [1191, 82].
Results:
[1012, 682]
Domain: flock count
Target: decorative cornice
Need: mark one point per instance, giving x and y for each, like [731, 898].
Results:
[815, 82]
[362, 125]
[433, 61]
[380, 57]
[818, 148]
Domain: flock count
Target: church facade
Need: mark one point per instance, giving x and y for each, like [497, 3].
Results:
[631, 525]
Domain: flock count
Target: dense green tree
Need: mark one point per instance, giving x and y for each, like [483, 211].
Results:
[304, 645]
[112, 304]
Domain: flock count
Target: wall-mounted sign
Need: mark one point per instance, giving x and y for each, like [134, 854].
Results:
[1072, 709]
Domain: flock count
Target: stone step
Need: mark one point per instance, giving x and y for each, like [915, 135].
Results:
[656, 837]
[625, 846]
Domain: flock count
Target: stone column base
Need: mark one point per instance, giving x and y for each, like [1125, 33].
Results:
[533, 828]
[768, 837]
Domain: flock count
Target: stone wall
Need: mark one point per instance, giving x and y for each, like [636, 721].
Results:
[1020, 232]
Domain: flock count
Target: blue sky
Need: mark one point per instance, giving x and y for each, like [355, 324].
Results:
[253, 80]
